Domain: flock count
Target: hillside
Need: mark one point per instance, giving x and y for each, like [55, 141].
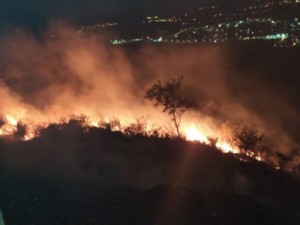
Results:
[71, 175]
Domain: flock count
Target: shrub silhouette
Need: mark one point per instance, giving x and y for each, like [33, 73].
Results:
[171, 96]
[21, 131]
[250, 142]
[111, 125]
[289, 162]
[136, 129]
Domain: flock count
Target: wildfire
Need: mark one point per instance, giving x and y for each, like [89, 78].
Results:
[77, 75]
[197, 133]
[191, 131]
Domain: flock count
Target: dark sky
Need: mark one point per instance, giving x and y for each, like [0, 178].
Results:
[35, 13]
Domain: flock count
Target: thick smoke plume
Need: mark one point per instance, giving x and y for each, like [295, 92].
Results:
[64, 73]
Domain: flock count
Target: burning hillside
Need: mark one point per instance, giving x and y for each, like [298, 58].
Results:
[50, 79]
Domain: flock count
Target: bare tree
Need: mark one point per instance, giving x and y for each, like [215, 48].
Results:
[171, 96]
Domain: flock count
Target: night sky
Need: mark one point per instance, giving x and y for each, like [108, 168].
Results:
[37, 13]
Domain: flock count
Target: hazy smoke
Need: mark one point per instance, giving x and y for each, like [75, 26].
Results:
[64, 73]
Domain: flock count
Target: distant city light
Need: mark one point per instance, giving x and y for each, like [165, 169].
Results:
[242, 23]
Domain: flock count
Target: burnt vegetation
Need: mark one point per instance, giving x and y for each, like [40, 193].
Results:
[73, 173]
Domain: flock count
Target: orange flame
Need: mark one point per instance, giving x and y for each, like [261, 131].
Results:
[191, 131]
[193, 134]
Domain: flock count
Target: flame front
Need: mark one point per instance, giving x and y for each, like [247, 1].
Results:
[191, 130]
[198, 132]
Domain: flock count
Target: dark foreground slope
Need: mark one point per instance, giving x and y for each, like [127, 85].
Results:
[70, 176]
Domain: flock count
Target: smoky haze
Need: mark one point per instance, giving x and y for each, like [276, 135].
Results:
[64, 73]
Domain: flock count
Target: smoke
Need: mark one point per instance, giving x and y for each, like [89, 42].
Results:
[66, 74]
[63, 73]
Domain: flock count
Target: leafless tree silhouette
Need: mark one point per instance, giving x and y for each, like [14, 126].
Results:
[172, 98]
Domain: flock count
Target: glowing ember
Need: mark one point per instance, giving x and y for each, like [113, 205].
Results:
[94, 124]
[259, 158]
[26, 138]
